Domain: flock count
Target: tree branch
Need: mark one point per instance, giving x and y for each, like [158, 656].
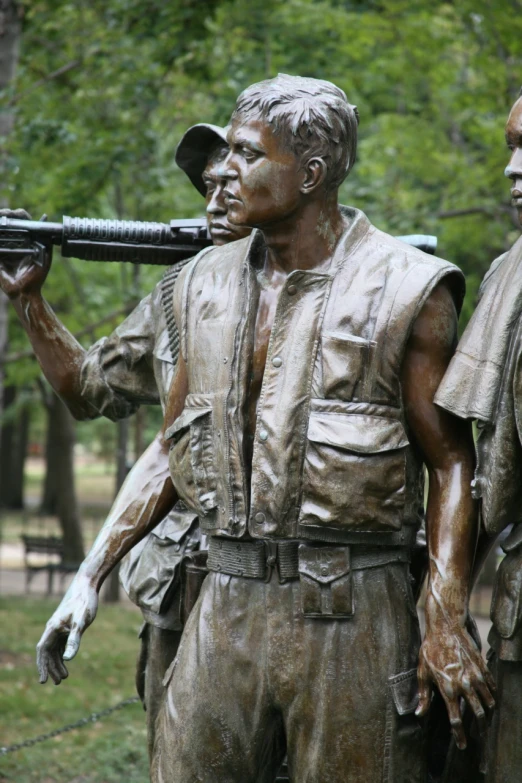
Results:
[53, 75]
[482, 210]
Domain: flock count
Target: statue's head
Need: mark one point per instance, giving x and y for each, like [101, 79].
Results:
[291, 139]
[200, 154]
[514, 142]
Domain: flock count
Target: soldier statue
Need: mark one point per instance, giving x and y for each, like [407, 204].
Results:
[297, 427]
[484, 382]
[133, 366]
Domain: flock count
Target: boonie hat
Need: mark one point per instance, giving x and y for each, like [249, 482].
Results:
[193, 151]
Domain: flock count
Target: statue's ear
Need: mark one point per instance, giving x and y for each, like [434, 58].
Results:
[314, 171]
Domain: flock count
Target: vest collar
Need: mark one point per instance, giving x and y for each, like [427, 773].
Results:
[356, 227]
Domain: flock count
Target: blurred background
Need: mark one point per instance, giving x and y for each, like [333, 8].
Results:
[93, 100]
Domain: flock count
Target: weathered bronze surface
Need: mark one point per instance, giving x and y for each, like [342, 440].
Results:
[483, 382]
[310, 356]
[298, 421]
[134, 365]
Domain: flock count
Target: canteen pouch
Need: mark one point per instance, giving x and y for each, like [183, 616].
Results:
[194, 571]
[506, 603]
[326, 581]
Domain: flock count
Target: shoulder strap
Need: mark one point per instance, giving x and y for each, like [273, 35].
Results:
[167, 289]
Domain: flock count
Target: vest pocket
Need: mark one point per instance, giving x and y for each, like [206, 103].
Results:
[191, 458]
[346, 360]
[354, 475]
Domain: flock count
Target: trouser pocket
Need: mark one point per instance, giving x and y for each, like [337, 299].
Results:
[194, 572]
[326, 581]
[404, 759]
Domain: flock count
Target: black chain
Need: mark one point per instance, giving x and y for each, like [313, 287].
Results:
[93, 718]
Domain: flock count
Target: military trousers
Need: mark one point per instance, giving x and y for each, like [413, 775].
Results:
[158, 649]
[504, 745]
[253, 677]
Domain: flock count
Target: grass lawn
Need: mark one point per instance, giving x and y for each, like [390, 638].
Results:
[102, 674]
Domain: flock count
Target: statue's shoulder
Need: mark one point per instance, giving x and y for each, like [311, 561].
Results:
[490, 277]
[410, 273]
[406, 256]
[230, 255]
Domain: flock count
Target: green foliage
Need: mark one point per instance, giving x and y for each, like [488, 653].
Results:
[433, 83]
[101, 675]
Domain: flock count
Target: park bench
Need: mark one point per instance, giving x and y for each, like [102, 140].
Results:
[50, 548]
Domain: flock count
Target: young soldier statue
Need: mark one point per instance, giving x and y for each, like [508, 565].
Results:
[301, 415]
[484, 382]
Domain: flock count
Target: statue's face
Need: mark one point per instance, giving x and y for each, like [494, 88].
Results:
[263, 177]
[220, 229]
[514, 168]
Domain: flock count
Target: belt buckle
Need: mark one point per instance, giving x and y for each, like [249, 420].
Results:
[271, 558]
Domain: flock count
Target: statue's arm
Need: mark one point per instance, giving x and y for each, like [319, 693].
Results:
[449, 656]
[144, 500]
[77, 376]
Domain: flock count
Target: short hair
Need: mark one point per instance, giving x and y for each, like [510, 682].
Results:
[312, 116]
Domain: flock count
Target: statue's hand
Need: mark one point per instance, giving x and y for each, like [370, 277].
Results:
[451, 659]
[25, 277]
[61, 639]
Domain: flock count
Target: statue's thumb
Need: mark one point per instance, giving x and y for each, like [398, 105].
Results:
[73, 643]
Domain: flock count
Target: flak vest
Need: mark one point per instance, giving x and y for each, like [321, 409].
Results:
[332, 457]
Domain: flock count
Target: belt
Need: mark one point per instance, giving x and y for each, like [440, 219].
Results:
[257, 559]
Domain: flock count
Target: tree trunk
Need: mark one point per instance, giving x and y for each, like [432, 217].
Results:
[19, 458]
[49, 504]
[13, 450]
[112, 590]
[10, 34]
[60, 442]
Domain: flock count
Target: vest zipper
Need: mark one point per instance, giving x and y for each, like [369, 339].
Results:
[237, 346]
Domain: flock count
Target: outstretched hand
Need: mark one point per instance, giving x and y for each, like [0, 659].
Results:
[25, 277]
[61, 639]
[450, 658]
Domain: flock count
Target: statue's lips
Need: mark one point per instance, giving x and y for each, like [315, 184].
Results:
[220, 230]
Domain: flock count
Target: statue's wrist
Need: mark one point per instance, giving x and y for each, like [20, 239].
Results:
[86, 578]
[449, 611]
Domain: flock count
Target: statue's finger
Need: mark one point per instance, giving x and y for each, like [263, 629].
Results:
[73, 643]
[41, 664]
[478, 710]
[424, 690]
[484, 691]
[53, 670]
[455, 719]
[42, 652]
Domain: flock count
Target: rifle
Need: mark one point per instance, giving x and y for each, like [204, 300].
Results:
[93, 239]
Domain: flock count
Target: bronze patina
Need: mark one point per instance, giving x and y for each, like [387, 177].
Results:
[300, 415]
[483, 382]
[132, 366]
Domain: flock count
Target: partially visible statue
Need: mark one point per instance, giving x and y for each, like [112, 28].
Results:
[297, 426]
[484, 382]
[133, 366]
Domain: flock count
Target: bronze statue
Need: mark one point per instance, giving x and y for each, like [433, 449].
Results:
[133, 366]
[483, 382]
[298, 422]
